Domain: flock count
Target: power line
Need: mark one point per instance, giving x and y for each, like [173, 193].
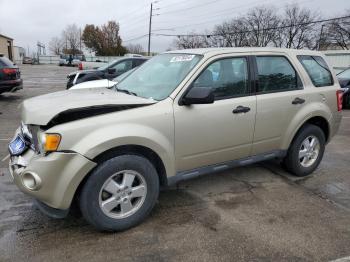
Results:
[263, 29]
[136, 38]
[191, 7]
[218, 14]
[135, 10]
[221, 13]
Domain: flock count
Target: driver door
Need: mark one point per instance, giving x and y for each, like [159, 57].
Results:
[207, 134]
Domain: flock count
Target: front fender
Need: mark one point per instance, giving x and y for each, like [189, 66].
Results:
[105, 138]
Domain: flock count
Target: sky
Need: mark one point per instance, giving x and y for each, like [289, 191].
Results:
[30, 21]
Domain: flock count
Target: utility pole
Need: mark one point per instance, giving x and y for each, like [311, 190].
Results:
[150, 26]
[149, 30]
[80, 39]
[321, 36]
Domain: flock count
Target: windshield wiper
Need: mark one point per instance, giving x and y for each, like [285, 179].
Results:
[125, 91]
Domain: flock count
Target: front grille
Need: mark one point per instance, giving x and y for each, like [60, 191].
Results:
[29, 134]
[34, 130]
[70, 80]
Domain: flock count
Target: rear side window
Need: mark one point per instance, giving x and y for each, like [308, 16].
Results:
[123, 66]
[276, 74]
[317, 70]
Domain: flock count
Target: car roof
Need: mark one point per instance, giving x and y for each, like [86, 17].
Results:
[223, 50]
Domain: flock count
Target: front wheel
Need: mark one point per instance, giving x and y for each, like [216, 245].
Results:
[306, 151]
[120, 193]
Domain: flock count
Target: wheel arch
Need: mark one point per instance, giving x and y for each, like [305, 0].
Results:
[139, 150]
[143, 151]
[316, 120]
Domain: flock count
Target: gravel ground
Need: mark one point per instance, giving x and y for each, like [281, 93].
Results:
[255, 213]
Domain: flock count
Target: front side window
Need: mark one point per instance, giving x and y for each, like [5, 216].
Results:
[107, 65]
[226, 77]
[317, 70]
[276, 74]
[158, 77]
[123, 66]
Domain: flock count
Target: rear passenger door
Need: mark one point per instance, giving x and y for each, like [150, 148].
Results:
[280, 96]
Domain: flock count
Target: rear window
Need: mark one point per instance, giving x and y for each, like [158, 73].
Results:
[5, 62]
[317, 70]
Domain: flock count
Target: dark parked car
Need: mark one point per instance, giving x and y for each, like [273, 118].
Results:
[344, 81]
[108, 71]
[10, 76]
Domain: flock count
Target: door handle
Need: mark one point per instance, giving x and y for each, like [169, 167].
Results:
[241, 109]
[298, 100]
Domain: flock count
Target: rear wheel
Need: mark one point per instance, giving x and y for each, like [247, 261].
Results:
[306, 151]
[120, 193]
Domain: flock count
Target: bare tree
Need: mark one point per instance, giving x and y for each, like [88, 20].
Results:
[296, 30]
[71, 36]
[263, 26]
[260, 22]
[135, 49]
[337, 33]
[231, 34]
[192, 41]
[56, 45]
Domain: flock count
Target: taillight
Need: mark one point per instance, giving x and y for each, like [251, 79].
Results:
[8, 71]
[340, 100]
[80, 66]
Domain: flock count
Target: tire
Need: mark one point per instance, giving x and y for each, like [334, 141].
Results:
[99, 185]
[305, 166]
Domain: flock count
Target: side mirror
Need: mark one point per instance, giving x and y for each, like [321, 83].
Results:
[111, 70]
[198, 95]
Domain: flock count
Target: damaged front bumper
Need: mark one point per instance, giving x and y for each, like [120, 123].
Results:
[51, 179]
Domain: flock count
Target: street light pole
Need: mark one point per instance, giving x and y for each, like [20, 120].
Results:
[149, 30]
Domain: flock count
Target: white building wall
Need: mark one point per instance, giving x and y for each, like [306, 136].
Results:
[339, 59]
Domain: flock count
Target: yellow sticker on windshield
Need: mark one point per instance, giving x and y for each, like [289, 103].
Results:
[181, 58]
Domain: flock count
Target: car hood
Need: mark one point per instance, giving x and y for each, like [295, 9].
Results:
[94, 84]
[81, 102]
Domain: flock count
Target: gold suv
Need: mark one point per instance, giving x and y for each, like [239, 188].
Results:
[179, 115]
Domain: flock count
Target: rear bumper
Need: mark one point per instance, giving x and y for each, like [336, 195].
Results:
[58, 174]
[335, 124]
[11, 85]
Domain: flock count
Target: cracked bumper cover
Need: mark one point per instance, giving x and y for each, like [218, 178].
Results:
[60, 174]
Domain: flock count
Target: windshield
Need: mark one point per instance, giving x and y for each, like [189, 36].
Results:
[159, 76]
[344, 74]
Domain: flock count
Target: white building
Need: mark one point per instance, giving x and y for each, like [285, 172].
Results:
[339, 59]
[18, 54]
